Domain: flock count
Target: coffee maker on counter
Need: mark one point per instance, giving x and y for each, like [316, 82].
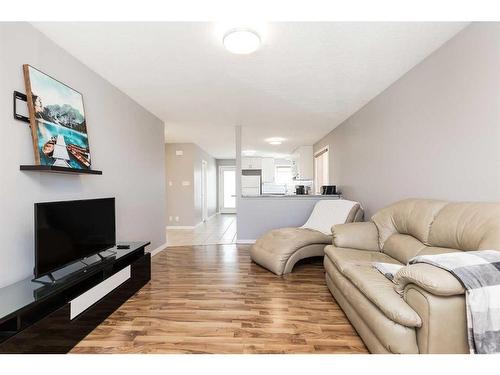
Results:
[328, 189]
[302, 190]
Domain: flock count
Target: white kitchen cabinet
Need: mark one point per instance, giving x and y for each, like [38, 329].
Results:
[251, 163]
[303, 160]
[268, 169]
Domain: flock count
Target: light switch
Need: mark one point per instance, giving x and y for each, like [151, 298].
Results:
[177, 218]
[186, 183]
[179, 152]
[170, 183]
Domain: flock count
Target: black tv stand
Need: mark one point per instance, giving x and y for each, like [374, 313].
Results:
[53, 315]
[73, 272]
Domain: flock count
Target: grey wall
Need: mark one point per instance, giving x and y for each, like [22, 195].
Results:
[185, 201]
[126, 143]
[258, 215]
[180, 199]
[434, 133]
[211, 183]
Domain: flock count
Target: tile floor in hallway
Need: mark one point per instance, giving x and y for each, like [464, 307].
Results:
[219, 229]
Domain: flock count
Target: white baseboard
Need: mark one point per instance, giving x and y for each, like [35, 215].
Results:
[211, 216]
[245, 242]
[182, 226]
[190, 226]
[159, 249]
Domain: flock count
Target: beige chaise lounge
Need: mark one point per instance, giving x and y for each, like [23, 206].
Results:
[279, 249]
[430, 315]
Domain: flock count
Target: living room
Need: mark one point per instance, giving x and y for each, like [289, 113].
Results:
[324, 183]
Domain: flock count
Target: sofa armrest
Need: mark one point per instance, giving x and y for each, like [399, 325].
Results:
[430, 278]
[444, 321]
[363, 236]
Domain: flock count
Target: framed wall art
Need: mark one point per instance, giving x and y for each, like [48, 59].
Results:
[57, 120]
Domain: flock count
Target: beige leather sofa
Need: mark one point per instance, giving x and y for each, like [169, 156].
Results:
[429, 316]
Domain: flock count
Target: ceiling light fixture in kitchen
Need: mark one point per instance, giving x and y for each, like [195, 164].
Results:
[275, 141]
[241, 41]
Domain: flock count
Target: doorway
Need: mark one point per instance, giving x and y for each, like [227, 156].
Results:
[321, 169]
[227, 189]
[204, 192]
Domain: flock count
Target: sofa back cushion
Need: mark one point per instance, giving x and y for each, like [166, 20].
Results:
[467, 226]
[412, 217]
[402, 247]
[421, 226]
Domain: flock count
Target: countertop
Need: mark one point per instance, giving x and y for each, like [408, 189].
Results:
[294, 196]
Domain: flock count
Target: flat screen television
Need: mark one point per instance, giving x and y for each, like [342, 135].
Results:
[71, 230]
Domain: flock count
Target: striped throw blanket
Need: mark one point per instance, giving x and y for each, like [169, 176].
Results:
[479, 273]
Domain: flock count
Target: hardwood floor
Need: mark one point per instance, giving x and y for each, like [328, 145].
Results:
[213, 299]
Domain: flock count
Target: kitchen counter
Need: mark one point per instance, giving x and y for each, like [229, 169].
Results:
[260, 213]
[294, 196]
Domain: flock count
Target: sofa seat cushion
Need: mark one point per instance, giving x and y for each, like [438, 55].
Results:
[380, 291]
[356, 265]
[431, 250]
[285, 241]
[277, 247]
[343, 257]
[394, 337]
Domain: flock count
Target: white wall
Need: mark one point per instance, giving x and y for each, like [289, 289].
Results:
[126, 143]
[435, 133]
[185, 201]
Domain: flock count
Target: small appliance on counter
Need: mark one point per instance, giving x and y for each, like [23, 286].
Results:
[302, 190]
[328, 190]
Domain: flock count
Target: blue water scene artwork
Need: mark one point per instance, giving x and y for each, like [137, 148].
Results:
[61, 131]
[49, 131]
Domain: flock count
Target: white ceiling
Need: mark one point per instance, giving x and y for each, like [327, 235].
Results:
[305, 79]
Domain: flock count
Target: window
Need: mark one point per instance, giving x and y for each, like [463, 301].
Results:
[321, 173]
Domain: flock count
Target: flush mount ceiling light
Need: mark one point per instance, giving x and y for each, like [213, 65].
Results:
[275, 141]
[241, 41]
[249, 152]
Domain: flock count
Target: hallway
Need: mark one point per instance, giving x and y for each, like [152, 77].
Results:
[218, 229]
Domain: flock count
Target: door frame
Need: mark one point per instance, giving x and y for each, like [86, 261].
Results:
[326, 166]
[220, 193]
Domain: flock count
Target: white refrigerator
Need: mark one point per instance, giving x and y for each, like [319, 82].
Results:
[250, 185]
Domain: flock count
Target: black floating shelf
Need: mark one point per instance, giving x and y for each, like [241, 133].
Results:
[54, 169]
